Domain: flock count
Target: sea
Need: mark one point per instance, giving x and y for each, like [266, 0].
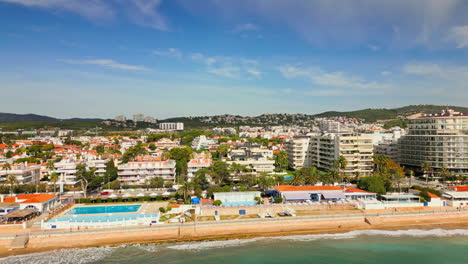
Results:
[411, 246]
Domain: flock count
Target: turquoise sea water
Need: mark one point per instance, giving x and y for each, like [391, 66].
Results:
[104, 209]
[371, 246]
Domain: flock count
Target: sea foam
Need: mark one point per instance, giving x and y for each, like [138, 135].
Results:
[347, 235]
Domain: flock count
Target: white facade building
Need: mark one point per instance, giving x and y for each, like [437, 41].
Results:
[142, 170]
[172, 126]
[23, 172]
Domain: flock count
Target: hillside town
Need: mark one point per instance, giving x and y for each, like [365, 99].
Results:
[171, 175]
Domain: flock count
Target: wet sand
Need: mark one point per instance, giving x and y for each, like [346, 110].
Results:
[239, 229]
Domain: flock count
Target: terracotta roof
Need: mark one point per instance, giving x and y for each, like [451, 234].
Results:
[352, 189]
[459, 188]
[31, 198]
[290, 188]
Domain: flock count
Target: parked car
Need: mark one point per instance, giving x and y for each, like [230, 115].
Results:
[105, 193]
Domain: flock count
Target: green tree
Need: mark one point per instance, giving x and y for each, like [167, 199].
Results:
[9, 154]
[182, 157]
[373, 184]
[427, 169]
[186, 189]
[444, 173]
[54, 177]
[281, 161]
[111, 173]
[85, 176]
[265, 182]
[156, 182]
[11, 180]
[133, 152]
[340, 164]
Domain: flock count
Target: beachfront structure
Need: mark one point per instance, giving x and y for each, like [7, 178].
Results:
[199, 161]
[439, 139]
[172, 126]
[203, 142]
[24, 173]
[322, 150]
[318, 193]
[143, 169]
[236, 198]
[259, 160]
[41, 202]
[458, 197]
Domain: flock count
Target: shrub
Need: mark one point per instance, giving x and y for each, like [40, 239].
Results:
[278, 200]
[159, 198]
[217, 203]
[162, 210]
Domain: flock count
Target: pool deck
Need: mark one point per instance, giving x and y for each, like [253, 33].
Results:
[145, 208]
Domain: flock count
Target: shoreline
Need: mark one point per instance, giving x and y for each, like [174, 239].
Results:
[218, 231]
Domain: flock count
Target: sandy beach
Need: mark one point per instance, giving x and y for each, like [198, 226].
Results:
[46, 241]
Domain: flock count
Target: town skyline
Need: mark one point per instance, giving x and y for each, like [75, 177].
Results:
[175, 58]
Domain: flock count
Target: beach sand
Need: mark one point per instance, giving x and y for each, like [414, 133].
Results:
[226, 230]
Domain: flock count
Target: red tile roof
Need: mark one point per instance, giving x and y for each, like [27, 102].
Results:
[31, 198]
[352, 189]
[459, 188]
[290, 188]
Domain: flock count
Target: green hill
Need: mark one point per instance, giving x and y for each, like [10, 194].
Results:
[372, 115]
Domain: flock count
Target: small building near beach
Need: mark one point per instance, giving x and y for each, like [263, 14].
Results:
[319, 193]
[458, 197]
[41, 202]
[237, 198]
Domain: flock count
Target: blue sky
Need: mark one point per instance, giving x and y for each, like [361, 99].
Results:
[166, 58]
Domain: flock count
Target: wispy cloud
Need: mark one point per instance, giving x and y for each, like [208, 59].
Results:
[245, 27]
[141, 12]
[108, 64]
[171, 52]
[459, 35]
[353, 23]
[229, 67]
[329, 79]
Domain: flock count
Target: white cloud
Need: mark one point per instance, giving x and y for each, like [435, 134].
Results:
[171, 52]
[459, 35]
[229, 67]
[386, 73]
[353, 23]
[107, 63]
[141, 12]
[329, 79]
[373, 47]
[245, 27]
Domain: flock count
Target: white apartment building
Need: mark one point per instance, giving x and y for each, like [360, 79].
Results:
[203, 142]
[387, 144]
[198, 162]
[66, 169]
[259, 160]
[440, 139]
[172, 126]
[99, 164]
[322, 150]
[150, 119]
[166, 143]
[23, 172]
[138, 118]
[142, 170]
[120, 118]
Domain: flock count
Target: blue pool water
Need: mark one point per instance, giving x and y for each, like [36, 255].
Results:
[288, 178]
[104, 209]
[100, 218]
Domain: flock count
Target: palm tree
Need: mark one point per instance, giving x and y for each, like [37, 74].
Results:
[426, 168]
[444, 173]
[396, 176]
[340, 164]
[185, 189]
[54, 177]
[11, 180]
[50, 165]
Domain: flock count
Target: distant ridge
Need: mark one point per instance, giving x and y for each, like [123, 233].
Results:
[12, 118]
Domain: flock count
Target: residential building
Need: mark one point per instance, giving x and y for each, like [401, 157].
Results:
[24, 173]
[322, 150]
[120, 118]
[138, 118]
[439, 139]
[203, 142]
[143, 169]
[198, 162]
[150, 119]
[257, 159]
[172, 126]
[66, 169]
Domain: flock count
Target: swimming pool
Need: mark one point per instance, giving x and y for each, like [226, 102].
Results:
[104, 209]
[100, 218]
